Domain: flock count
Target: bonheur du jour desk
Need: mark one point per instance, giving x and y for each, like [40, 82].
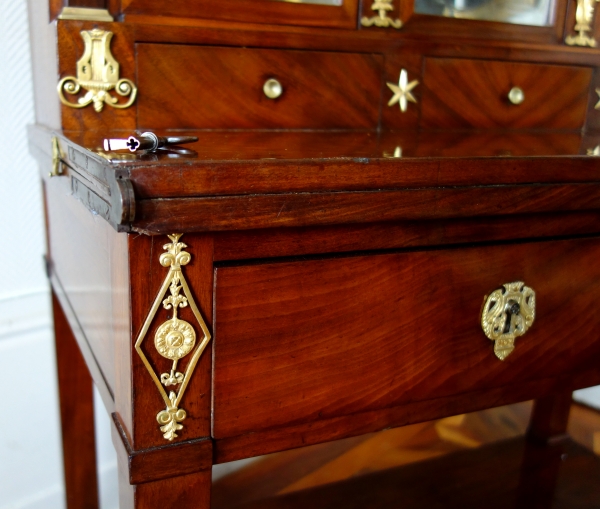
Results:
[381, 223]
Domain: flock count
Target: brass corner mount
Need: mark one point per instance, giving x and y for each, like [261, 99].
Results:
[98, 74]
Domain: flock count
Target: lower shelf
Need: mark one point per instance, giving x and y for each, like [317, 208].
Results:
[504, 475]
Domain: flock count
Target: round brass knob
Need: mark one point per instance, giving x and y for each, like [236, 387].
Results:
[516, 95]
[272, 88]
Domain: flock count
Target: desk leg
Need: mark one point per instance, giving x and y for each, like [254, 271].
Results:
[190, 491]
[549, 418]
[77, 416]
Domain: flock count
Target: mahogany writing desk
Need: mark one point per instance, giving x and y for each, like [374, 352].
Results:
[376, 227]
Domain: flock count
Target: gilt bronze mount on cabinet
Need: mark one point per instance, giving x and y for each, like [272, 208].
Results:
[175, 338]
[508, 313]
[382, 20]
[353, 192]
[97, 74]
[584, 16]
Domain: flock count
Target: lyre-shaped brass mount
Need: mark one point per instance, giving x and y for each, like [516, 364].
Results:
[97, 73]
[508, 313]
[175, 338]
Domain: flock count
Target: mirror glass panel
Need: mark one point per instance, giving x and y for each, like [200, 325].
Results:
[320, 2]
[521, 12]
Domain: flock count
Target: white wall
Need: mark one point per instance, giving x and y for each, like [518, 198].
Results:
[30, 462]
[30, 456]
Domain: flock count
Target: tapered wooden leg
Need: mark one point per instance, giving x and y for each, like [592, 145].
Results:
[77, 417]
[549, 418]
[190, 491]
[543, 454]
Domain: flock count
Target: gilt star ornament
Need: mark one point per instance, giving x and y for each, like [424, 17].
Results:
[402, 91]
[597, 107]
[594, 151]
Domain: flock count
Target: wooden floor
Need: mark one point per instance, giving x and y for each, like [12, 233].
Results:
[276, 476]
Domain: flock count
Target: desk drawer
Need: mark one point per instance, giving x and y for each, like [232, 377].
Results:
[213, 87]
[474, 93]
[309, 340]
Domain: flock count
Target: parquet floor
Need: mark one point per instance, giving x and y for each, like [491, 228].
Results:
[318, 465]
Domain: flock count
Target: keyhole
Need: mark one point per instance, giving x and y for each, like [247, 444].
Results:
[512, 308]
[132, 143]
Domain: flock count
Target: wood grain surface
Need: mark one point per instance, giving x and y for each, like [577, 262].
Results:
[191, 491]
[474, 40]
[511, 474]
[90, 260]
[280, 242]
[76, 416]
[250, 11]
[157, 463]
[324, 430]
[260, 175]
[147, 276]
[342, 461]
[219, 88]
[474, 93]
[550, 418]
[300, 342]
[328, 208]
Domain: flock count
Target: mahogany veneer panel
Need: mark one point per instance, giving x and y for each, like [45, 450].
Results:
[474, 93]
[251, 11]
[89, 258]
[298, 342]
[215, 87]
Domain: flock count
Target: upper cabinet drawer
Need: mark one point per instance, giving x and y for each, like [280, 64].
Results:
[219, 88]
[317, 13]
[475, 93]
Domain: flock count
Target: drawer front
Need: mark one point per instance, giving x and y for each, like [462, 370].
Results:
[474, 93]
[208, 87]
[304, 341]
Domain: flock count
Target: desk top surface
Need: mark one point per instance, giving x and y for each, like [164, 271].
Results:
[217, 146]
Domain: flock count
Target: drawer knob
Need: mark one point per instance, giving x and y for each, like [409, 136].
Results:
[272, 88]
[508, 313]
[516, 96]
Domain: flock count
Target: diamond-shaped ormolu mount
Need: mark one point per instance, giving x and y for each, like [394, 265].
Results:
[175, 338]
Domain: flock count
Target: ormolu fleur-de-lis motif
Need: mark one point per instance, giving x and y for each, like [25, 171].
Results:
[382, 7]
[584, 18]
[508, 313]
[97, 73]
[175, 338]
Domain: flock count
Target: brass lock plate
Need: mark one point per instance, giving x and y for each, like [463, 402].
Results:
[508, 313]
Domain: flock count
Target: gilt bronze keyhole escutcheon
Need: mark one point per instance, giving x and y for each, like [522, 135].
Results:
[508, 313]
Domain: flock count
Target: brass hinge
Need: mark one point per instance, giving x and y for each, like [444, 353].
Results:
[56, 159]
